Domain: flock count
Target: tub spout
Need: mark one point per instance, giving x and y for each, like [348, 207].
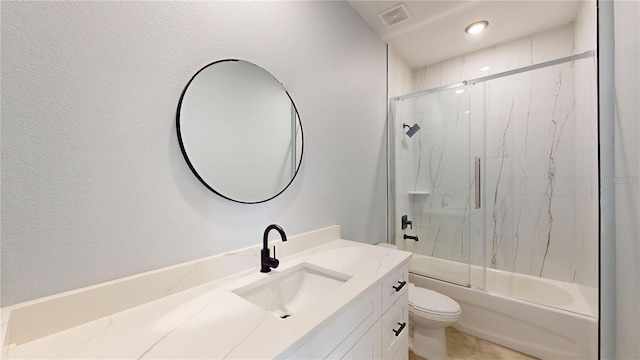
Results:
[411, 237]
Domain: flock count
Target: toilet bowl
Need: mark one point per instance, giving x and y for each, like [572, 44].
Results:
[429, 314]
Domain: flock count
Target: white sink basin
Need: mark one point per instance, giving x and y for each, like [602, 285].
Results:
[284, 293]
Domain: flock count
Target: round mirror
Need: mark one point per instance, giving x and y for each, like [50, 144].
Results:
[239, 131]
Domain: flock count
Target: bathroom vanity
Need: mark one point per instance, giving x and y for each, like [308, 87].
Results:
[329, 298]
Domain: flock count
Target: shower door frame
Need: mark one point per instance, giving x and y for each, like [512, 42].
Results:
[465, 235]
[391, 146]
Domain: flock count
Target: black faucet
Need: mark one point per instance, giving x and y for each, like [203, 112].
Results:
[266, 261]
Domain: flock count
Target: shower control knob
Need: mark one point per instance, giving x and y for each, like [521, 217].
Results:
[406, 222]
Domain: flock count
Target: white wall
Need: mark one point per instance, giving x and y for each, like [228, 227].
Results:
[627, 170]
[94, 186]
[400, 76]
[619, 90]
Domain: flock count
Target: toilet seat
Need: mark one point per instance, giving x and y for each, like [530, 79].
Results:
[431, 302]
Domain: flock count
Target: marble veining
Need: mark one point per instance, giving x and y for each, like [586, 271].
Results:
[32, 320]
[210, 321]
[555, 144]
[109, 323]
[246, 337]
[171, 289]
[179, 326]
[535, 135]
[495, 244]
[435, 177]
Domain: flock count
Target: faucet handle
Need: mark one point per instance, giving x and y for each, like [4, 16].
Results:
[406, 222]
[274, 261]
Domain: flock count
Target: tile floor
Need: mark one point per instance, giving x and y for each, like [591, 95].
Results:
[462, 346]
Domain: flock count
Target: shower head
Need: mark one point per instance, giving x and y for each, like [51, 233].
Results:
[412, 129]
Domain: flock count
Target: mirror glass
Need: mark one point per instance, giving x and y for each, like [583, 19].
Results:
[239, 131]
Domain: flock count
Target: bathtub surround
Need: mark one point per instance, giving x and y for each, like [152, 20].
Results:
[530, 175]
[94, 186]
[539, 153]
[535, 134]
[547, 292]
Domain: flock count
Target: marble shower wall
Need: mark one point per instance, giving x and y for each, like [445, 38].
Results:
[530, 173]
[586, 150]
[434, 174]
[539, 147]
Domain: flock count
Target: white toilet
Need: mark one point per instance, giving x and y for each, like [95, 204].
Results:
[429, 313]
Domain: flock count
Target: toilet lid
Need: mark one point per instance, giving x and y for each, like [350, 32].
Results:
[431, 301]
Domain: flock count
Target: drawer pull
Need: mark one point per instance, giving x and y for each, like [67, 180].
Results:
[402, 325]
[402, 283]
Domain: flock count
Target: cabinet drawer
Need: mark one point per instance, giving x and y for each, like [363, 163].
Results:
[368, 347]
[394, 285]
[395, 326]
[403, 351]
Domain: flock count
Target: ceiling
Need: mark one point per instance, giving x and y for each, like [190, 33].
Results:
[435, 30]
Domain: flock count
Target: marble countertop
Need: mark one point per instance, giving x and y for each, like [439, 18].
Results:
[210, 321]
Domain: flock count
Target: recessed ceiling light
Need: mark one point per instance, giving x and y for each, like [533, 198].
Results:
[460, 91]
[485, 68]
[476, 27]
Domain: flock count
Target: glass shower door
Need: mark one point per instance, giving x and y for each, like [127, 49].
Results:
[433, 181]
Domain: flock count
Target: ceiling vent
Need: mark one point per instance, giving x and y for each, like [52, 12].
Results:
[395, 15]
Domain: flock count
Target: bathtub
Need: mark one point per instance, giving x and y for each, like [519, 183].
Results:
[540, 317]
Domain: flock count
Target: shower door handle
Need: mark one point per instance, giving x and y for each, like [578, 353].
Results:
[477, 183]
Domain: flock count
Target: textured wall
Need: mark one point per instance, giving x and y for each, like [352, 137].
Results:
[94, 186]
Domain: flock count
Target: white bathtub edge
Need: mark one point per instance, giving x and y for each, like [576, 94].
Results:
[536, 330]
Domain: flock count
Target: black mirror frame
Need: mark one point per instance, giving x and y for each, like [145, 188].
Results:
[186, 157]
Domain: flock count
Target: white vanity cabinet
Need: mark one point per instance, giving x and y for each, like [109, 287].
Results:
[395, 320]
[374, 326]
[395, 328]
